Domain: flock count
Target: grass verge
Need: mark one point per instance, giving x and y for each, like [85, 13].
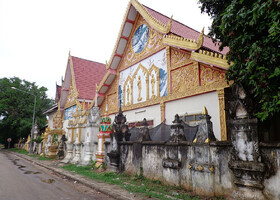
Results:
[23, 151]
[137, 184]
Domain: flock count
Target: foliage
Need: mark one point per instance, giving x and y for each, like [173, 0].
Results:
[136, 184]
[251, 29]
[55, 138]
[38, 140]
[16, 108]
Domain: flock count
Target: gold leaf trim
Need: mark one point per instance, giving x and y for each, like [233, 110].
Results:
[211, 58]
[184, 43]
[157, 25]
[200, 168]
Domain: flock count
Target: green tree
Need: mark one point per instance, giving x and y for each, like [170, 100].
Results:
[16, 108]
[251, 29]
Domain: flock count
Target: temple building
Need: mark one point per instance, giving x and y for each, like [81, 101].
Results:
[159, 68]
[74, 99]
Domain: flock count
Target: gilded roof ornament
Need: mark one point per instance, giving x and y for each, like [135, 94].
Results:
[106, 64]
[184, 43]
[200, 38]
[211, 58]
[157, 25]
[84, 105]
[204, 111]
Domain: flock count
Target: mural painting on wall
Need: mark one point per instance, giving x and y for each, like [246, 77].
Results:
[68, 112]
[144, 80]
[140, 38]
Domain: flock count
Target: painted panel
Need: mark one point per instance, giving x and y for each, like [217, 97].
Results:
[140, 38]
[68, 112]
[136, 82]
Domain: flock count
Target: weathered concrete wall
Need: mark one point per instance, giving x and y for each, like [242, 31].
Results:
[202, 168]
[271, 155]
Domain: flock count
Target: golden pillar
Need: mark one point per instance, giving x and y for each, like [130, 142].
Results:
[223, 127]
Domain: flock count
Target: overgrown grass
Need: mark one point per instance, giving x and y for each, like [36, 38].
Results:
[23, 151]
[136, 184]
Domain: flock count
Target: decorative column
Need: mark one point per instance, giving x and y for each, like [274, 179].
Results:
[93, 120]
[223, 127]
[69, 145]
[105, 128]
[77, 143]
[246, 162]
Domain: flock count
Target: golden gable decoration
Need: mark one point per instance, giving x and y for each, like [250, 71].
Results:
[211, 58]
[57, 118]
[184, 78]
[157, 25]
[184, 43]
[72, 96]
[179, 58]
[210, 75]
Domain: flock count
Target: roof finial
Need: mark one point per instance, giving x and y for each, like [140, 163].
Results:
[200, 38]
[69, 52]
[84, 104]
[96, 93]
[169, 23]
[106, 64]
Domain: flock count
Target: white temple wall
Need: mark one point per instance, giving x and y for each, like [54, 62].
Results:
[194, 105]
[137, 115]
[50, 120]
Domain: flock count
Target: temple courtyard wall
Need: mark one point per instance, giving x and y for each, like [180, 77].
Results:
[201, 168]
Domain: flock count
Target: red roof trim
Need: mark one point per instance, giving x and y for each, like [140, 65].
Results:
[129, 21]
[118, 55]
[123, 37]
[101, 94]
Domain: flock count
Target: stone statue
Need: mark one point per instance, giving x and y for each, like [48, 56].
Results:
[93, 117]
[48, 143]
[120, 133]
[144, 132]
[177, 130]
[60, 153]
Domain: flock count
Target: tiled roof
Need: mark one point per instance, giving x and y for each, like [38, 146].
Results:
[185, 31]
[58, 93]
[87, 74]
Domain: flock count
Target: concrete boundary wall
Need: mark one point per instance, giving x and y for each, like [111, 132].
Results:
[202, 168]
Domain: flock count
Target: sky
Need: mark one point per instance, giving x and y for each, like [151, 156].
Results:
[37, 35]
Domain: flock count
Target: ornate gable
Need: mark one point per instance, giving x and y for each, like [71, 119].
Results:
[153, 44]
[72, 96]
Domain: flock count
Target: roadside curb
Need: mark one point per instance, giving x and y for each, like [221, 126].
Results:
[114, 191]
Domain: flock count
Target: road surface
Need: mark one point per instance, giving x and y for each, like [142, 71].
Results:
[21, 180]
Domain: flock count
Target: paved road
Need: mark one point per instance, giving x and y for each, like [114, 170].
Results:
[21, 180]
